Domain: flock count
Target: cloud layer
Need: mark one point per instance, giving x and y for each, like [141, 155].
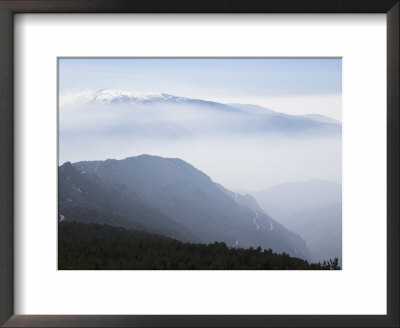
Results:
[242, 148]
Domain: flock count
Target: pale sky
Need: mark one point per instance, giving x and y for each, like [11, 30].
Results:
[293, 86]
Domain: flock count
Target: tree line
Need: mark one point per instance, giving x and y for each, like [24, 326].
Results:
[92, 246]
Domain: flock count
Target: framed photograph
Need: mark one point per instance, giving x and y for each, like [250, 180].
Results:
[187, 164]
[178, 173]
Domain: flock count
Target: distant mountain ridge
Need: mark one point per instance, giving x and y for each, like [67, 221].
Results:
[313, 209]
[289, 198]
[113, 96]
[232, 118]
[190, 205]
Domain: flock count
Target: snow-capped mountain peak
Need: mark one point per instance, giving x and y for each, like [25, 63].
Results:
[117, 96]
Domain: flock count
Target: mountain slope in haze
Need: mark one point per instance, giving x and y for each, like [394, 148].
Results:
[321, 118]
[272, 121]
[192, 200]
[282, 200]
[87, 198]
[322, 229]
[312, 209]
[263, 221]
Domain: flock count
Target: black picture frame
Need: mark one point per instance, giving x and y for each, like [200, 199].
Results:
[10, 7]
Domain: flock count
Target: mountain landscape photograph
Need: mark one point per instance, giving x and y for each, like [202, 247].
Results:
[199, 164]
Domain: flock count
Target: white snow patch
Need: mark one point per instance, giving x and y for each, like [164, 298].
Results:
[254, 221]
[271, 226]
[108, 96]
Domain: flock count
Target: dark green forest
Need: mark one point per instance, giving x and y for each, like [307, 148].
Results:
[83, 246]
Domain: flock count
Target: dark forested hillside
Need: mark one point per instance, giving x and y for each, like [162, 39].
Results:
[103, 247]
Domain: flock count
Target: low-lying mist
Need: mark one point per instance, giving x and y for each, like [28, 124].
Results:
[239, 149]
